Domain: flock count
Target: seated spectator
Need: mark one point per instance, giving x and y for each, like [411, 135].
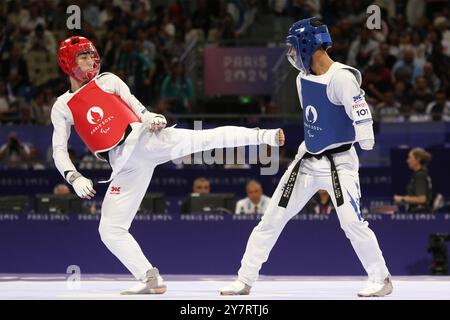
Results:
[88, 206]
[61, 189]
[407, 69]
[419, 189]
[377, 78]
[432, 79]
[7, 111]
[178, 89]
[389, 110]
[14, 153]
[439, 109]
[255, 202]
[422, 95]
[320, 203]
[200, 186]
[361, 49]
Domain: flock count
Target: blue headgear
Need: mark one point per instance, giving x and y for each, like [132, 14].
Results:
[303, 40]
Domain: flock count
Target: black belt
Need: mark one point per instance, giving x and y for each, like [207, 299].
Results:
[334, 175]
[105, 154]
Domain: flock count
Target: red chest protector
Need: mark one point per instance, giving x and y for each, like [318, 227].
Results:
[100, 118]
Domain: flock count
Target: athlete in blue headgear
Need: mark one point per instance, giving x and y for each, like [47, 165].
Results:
[335, 117]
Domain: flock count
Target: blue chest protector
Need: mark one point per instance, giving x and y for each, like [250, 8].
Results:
[325, 123]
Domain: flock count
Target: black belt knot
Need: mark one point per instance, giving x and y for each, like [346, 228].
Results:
[288, 188]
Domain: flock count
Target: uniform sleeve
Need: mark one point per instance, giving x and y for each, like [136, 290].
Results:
[61, 134]
[344, 90]
[113, 84]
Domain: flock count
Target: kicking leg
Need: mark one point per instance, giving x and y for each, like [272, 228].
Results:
[173, 143]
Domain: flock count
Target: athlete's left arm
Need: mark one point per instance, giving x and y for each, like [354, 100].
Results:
[344, 89]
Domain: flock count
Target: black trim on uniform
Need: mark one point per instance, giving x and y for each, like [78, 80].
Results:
[105, 154]
[287, 192]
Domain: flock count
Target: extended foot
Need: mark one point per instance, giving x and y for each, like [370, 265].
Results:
[272, 137]
[281, 138]
[236, 288]
[378, 289]
[153, 284]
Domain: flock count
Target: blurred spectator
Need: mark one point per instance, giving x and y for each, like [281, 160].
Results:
[320, 203]
[389, 59]
[419, 189]
[41, 60]
[422, 95]
[15, 71]
[14, 154]
[41, 109]
[255, 202]
[34, 162]
[7, 109]
[200, 186]
[192, 34]
[177, 88]
[389, 109]
[428, 73]
[226, 32]
[243, 13]
[439, 109]
[361, 49]
[61, 189]
[42, 38]
[137, 69]
[407, 69]
[377, 78]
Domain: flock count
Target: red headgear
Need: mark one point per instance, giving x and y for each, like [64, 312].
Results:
[68, 51]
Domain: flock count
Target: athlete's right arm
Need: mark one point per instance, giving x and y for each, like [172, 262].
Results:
[61, 133]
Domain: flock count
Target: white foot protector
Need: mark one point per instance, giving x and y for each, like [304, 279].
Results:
[153, 284]
[236, 288]
[378, 289]
[270, 136]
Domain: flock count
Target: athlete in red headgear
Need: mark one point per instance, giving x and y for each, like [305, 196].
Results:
[117, 128]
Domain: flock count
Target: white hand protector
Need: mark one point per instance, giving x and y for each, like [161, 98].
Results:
[83, 187]
[158, 123]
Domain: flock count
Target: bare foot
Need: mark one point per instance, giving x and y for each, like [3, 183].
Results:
[281, 138]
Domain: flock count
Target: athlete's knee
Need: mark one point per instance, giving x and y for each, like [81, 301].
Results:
[357, 230]
[271, 220]
[110, 233]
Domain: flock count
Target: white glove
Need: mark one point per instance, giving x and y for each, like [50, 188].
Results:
[156, 122]
[83, 187]
[367, 144]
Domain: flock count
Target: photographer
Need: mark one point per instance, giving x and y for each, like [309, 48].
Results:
[14, 153]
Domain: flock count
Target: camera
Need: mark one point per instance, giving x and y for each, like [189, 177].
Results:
[438, 248]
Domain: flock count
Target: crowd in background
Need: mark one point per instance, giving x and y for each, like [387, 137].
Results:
[405, 64]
